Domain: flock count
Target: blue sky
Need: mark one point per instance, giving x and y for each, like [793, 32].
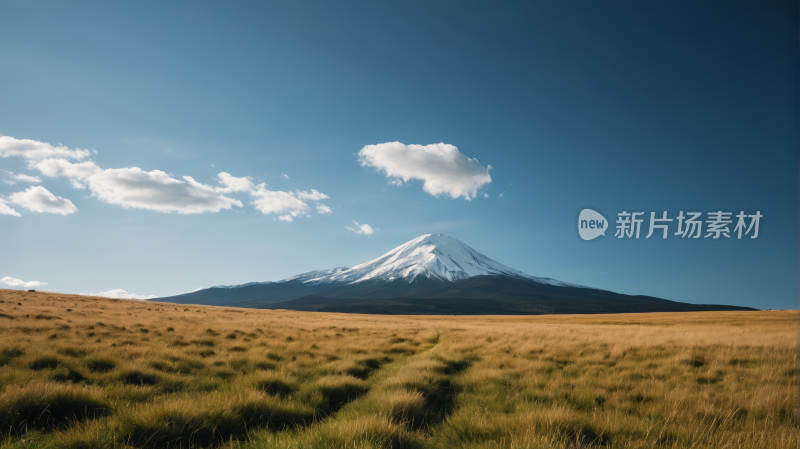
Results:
[656, 106]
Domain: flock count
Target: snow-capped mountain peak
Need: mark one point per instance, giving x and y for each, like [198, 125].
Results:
[433, 256]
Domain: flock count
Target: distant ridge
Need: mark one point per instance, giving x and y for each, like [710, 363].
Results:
[431, 274]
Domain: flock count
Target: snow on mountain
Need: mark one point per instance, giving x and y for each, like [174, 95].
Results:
[433, 256]
[241, 285]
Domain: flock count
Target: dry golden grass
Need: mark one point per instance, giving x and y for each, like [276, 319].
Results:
[83, 372]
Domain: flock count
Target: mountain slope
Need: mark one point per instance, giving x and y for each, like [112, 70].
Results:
[254, 295]
[490, 295]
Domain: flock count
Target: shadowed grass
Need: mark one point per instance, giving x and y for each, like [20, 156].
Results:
[331, 393]
[9, 354]
[48, 406]
[101, 365]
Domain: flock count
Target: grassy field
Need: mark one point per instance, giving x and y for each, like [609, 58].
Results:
[83, 372]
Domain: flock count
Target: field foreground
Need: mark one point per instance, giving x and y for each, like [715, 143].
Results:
[84, 372]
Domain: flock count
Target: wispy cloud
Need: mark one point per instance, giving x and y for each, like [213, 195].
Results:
[443, 169]
[323, 209]
[283, 176]
[21, 177]
[313, 195]
[361, 229]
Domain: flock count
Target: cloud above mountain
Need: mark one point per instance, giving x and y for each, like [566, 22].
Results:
[285, 204]
[361, 229]
[443, 169]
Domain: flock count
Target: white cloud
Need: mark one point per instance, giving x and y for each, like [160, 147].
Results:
[22, 177]
[287, 205]
[234, 184]
[361, 229]
[34, 150]
[14, 282]
[502, 195]
[120, 294]
[282, 176]
[442, 168]
[277, 202]
[152, 190]
[134, 187]
[486, 195]
[7, 210]
[314, 195]
[19, 177]
[39, 199]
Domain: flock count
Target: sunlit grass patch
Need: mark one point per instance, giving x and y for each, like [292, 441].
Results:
[369, 432]
[405, 406]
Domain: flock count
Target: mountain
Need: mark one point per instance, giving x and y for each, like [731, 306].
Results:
[431, 274]
[433, 256]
